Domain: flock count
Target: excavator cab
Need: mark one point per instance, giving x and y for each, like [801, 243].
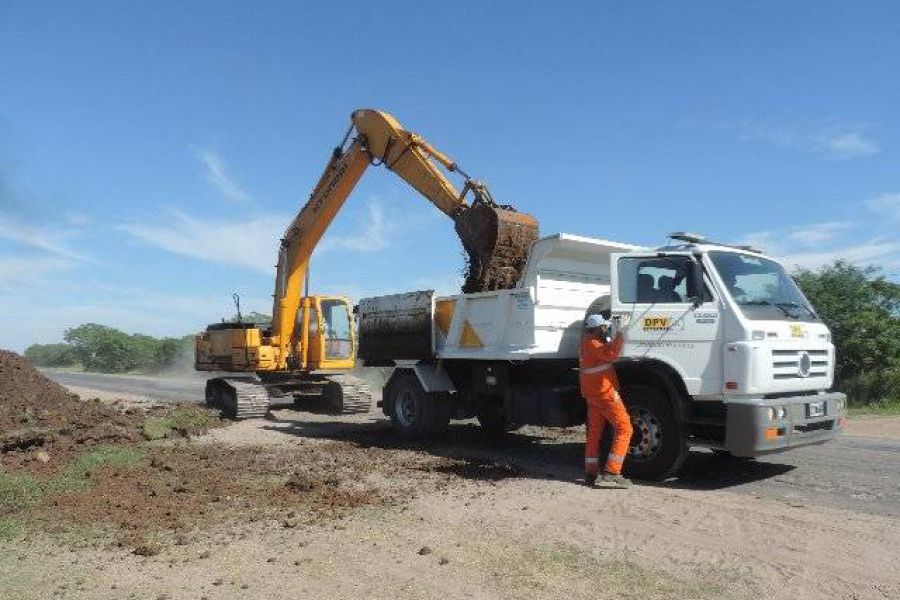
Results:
[328, 336]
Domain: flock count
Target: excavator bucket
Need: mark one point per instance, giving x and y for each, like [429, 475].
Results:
[497, 241]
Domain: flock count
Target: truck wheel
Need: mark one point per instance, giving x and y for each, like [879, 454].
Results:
[414, 412]
[658, 446]
[493, 421]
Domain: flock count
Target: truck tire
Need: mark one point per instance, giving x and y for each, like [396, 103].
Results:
[658, 446]
[414, 412]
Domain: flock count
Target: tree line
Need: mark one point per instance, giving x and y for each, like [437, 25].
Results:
[860, 307]
[103, 349]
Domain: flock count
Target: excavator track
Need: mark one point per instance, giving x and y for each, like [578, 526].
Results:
[347, 395]
[238, 398]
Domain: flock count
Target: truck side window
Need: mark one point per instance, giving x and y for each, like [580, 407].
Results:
[651, 280]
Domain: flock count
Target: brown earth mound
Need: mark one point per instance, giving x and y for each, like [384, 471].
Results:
[36, 413]
[189, 485]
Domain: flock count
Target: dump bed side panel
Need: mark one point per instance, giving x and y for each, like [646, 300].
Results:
[396, 327]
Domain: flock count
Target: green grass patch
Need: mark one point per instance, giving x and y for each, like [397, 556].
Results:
[76, 475]
[18, 491]
[184, 421]
[9, 528]
[890, 407]
[21, 491]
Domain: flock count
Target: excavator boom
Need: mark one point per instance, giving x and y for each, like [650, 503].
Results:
[496, 238]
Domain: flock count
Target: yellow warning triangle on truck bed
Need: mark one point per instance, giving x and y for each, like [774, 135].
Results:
[468, 338]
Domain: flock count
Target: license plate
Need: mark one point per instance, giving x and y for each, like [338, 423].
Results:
[815, 409]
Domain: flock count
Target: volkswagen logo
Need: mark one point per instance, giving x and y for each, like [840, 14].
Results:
[804, 364]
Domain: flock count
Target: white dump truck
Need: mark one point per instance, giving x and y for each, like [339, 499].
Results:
[722, 350]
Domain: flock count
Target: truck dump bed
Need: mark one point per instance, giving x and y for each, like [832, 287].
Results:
[539, 318]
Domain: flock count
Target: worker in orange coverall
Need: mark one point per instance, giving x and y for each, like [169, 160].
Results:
[599, 386]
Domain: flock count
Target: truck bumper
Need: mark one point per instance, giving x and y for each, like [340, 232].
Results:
[757, 426]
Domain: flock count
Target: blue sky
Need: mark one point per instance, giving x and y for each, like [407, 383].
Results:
[152, 153]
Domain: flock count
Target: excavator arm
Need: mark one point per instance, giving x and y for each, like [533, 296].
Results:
[496, 238]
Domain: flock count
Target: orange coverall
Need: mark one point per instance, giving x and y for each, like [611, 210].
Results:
[599, 386]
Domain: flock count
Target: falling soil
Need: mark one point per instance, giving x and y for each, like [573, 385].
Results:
[497, 241]
[40, 414]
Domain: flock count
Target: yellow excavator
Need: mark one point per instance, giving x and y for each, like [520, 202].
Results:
[309, 348]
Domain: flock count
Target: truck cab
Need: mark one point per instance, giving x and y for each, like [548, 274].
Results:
[729, 328]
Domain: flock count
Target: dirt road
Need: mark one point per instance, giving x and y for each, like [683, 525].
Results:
[503, 519]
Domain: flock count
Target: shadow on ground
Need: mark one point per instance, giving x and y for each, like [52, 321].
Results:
[535, 453]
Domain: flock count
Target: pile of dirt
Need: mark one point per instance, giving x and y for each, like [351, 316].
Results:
[38, 413]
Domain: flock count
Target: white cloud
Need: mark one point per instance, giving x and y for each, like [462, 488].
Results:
[217, 174]
[78, 219]
[249, 242]
[849, 144]
[837, 142]
[885, 253]
[375, 235]
[820, 244]
[18, 272]
[818, 233]
[47, 239]
[252, 242]
[886, 204]
[33, 316]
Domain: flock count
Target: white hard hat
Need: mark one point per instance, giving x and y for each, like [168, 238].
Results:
[595, 321]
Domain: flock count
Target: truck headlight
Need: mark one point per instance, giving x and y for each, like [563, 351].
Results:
[771, 413]
[780, 412]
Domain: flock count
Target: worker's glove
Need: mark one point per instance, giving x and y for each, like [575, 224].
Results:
[620, 324]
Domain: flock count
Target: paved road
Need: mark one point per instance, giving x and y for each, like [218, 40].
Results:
[854, 473]
[177, 388]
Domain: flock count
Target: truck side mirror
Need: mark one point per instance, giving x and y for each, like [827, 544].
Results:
[695, 283]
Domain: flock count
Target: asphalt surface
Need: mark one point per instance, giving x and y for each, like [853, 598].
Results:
[855, 473]
[176, 388]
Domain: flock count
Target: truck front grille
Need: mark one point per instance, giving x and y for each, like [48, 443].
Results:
[799, 364]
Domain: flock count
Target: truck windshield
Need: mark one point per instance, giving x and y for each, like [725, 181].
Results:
[762, 288]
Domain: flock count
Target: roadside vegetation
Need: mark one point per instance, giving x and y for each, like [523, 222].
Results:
[862, 310]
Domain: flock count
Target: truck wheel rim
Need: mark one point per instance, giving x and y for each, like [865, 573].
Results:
[406, 408]
[647, 435]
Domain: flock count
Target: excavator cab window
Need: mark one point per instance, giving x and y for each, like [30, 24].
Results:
[336, 335]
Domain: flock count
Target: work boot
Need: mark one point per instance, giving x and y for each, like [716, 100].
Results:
[590, 480]
[616, 482]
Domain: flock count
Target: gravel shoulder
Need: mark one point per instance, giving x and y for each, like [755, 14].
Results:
[875, 426]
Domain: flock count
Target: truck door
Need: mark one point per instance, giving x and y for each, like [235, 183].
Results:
[669, 318]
